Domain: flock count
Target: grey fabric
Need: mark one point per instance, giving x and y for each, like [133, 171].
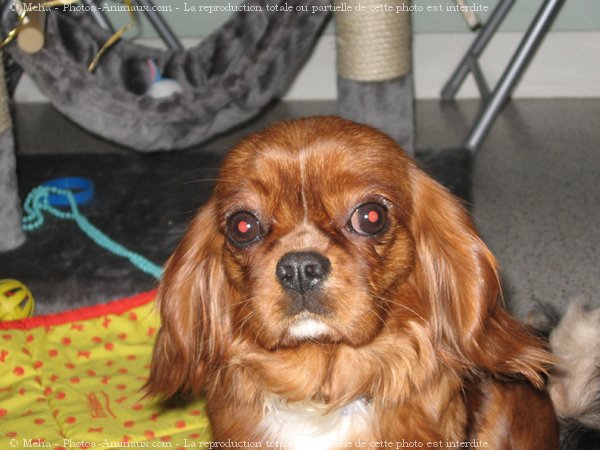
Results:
[386, 105]
[227, 78]
[11, 235]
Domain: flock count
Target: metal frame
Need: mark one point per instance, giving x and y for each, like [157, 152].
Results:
[155, 18]
[98, 15]
[493, 101]
[159, 24]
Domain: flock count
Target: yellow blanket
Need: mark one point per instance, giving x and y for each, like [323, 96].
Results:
[72, 380]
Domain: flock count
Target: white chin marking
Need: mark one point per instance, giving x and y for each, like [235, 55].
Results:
[308, 329]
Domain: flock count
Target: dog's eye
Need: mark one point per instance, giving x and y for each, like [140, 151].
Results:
[368, 219]
[243, 228]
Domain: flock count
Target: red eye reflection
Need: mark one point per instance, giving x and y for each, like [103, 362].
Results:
[368, 219]
[243, 228]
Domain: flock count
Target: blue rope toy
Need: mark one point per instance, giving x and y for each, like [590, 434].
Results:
[37, 202]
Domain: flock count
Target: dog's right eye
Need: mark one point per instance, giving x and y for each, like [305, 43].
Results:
[368, 219]
[243, 228]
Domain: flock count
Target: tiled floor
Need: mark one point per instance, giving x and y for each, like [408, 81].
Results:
[536, 191]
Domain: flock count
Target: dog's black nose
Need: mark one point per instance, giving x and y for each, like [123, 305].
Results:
[302, 271]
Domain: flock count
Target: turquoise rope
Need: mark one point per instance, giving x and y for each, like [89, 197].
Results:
[37, 202]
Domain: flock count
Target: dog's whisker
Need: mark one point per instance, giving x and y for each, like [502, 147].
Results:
[206, 180]
[249, 316]
[401, 305]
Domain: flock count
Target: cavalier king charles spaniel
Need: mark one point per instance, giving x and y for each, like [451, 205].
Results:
[330, 294]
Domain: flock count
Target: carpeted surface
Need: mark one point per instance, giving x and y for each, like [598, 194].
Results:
[143, 202]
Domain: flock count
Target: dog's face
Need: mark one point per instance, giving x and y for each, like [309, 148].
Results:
[321, 231]
[316, 232]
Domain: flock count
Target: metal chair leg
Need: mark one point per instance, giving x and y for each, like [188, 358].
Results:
[161, 27]
[527, 48]
[99, 15]
[477, 47]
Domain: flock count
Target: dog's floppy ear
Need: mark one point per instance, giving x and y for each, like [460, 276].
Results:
[459, 277]
[192, 298]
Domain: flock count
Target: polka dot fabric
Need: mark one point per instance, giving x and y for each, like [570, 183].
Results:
[72, 379]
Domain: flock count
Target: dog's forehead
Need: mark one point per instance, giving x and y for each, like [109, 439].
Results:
[321, 170]
[310, 166]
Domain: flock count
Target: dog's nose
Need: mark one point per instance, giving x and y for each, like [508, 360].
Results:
[302, 271]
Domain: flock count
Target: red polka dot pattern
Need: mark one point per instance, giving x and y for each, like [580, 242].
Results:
[81, 378]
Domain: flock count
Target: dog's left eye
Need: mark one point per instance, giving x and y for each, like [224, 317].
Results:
[243, 228]
[368, 219]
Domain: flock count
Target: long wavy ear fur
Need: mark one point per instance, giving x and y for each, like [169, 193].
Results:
[459, 276]
[195, 320]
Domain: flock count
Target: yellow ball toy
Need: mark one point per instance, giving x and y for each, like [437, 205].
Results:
[16, 301]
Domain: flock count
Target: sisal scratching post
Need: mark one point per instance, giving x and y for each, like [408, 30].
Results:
[11, 235]
[373, 42]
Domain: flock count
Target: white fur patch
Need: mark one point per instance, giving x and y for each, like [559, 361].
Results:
[308, 329]
[306, 425]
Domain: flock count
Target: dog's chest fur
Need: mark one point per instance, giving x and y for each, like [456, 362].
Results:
[304, 425]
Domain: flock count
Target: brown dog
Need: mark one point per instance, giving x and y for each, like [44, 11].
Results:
[330, 293]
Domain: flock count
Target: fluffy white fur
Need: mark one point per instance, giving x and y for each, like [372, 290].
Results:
[307, 425]
[575, 387]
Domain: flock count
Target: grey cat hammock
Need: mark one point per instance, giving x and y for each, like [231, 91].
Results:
[226, 79]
